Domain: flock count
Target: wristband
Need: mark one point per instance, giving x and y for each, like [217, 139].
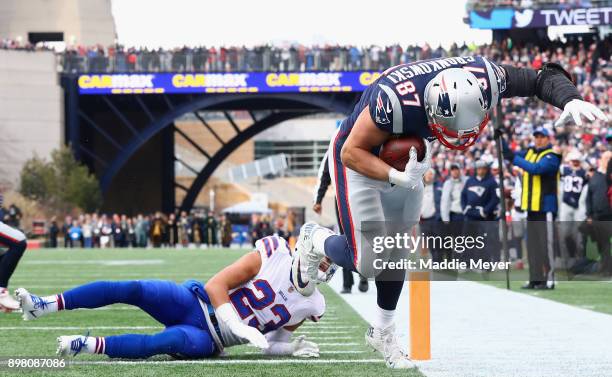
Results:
[395, 176]
[226, 313]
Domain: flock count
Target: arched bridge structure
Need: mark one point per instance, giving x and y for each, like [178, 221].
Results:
[123, 125]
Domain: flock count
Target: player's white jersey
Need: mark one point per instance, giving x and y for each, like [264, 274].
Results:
[269, 301]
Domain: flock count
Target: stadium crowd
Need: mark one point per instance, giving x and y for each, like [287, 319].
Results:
[194, 229]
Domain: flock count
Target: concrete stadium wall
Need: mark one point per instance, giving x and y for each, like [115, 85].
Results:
[85, 22]
[31, 109]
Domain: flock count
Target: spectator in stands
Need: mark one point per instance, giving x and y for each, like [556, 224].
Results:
[172, 230]
[87, 229]
[66, 231]
[157, 230]
[210, 230]
[13, 216]
[430, 211]
[225, 227]
[76, 234]
[53, 232]
[572, 211]
[599, 210]
[480, 205]
[450, 201]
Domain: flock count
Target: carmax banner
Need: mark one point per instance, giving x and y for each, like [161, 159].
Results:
[507, 18]
[257, 82]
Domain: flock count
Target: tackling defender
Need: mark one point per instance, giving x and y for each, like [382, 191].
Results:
[448, 99]
[251, 297]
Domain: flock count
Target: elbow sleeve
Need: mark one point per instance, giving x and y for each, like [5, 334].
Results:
[520, 82]
[554, 85]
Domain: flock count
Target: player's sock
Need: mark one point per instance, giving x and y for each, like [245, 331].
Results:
[337, 249]
[387, 296]
[93, 345]
[96, 344]
[53, 303]
[383, 318]
[77, 344]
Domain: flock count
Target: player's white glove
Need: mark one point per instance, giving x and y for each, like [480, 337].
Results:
[576, 108]
[228, 316]
[412, 175]
[305, 348]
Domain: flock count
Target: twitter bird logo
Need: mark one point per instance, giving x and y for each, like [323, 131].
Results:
[523, 19]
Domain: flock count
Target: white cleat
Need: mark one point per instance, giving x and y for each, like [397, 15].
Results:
[306, 261]
[33, 306]
[385, 342]
[71, 345]
[7, 302]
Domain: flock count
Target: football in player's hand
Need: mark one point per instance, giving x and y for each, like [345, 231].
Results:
[396, 151]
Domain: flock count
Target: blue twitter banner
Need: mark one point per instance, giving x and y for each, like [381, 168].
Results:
[508, 18]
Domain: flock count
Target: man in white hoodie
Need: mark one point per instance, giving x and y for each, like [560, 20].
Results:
[450, 204]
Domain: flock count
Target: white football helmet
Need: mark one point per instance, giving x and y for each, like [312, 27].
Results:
[457, 107]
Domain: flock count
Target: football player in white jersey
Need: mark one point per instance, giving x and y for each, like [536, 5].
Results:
[251, 301]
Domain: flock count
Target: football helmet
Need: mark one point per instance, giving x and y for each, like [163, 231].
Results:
[327, 269]
[457, 108]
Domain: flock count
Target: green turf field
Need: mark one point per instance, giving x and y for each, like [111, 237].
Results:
[339, 334]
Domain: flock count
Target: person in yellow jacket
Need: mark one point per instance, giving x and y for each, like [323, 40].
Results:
[540, 165]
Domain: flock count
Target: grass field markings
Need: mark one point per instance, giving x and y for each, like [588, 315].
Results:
[53, 328]
[339, 352]
[325, 326]
[332, 338]
[344, 344]
[231, 361]
[319, 332]
[104, 262]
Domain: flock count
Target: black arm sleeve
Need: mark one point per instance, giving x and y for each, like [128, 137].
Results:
[552, 84]
[324, 181]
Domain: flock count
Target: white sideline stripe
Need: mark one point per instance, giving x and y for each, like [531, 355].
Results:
[232, 361]
[47, 328]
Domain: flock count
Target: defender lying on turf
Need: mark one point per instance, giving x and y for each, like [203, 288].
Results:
[251, 297]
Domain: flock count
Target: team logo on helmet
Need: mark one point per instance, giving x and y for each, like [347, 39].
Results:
[383, 109]
[444, 107]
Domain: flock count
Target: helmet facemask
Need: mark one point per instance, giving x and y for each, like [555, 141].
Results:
[327, 269]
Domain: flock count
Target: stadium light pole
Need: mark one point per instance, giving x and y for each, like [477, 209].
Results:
[500, 159]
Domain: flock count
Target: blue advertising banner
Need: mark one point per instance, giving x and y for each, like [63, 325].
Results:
[508, 18]
[256, 82]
